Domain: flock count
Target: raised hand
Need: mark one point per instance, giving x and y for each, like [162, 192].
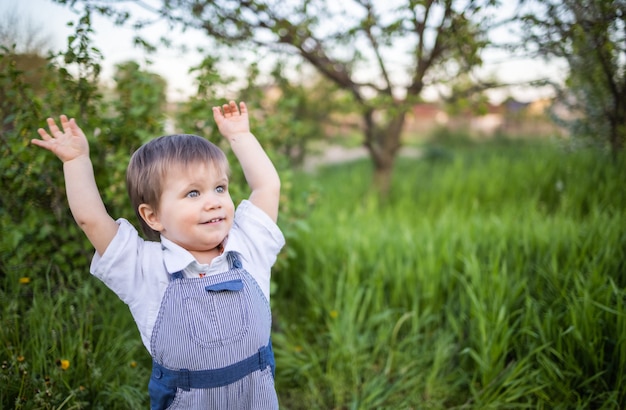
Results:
[262, 177]
[68, 144]
[232, 120]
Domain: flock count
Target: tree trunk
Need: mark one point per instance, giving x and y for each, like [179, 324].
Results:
[382, 178]
[617, 131]
[383, 144]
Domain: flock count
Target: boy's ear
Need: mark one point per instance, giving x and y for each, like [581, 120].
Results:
[149, 215]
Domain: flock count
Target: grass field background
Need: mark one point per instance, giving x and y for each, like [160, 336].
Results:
[492, 277]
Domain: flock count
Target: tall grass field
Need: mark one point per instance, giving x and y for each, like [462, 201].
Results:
[493, 276]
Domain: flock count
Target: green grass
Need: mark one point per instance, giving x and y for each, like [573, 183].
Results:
[68, 318]
[492, 277]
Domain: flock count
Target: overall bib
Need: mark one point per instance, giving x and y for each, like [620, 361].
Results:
[211, 345]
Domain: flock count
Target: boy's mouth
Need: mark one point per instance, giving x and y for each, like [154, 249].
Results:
[212, 221]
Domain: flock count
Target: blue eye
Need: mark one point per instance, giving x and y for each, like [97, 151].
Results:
[193, 194]
[221, 189]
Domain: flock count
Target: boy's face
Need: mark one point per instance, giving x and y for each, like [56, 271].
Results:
[195, 211]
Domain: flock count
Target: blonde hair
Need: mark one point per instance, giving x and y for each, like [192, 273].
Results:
[149, 165]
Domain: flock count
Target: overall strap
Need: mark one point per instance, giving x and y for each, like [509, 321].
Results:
[233, 260]
[177, 275]
[204, 379]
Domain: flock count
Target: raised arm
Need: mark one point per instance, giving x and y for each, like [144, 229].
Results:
[71, 146]
[258, 169]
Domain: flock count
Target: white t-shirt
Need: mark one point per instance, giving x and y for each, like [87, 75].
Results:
[138, 270]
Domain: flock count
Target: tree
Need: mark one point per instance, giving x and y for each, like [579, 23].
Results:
[23, 49]
[298, 108]
[590, 36]
[383, 53]
[141, 101]
[23, 34]
[293, 112]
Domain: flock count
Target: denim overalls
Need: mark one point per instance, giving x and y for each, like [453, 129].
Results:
[211, 344]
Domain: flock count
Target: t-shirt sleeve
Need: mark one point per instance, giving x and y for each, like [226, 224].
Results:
[265, 237]
[129, 267]
[259, 239]
[120, 263]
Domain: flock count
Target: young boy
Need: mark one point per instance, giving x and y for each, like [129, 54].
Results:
[200, 295]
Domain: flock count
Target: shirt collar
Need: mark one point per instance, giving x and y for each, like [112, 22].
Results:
[177, 258]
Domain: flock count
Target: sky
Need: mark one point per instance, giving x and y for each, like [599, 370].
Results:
[115, 43]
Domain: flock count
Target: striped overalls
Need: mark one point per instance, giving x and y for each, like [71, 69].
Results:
[211, 344]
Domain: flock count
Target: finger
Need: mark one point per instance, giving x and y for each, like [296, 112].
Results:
[65, 124]
[41, 143]
[52, 125]
[233, 107]
[226, 109]
[243, 108]
[43, 134]
[217, 113]
[75, 128]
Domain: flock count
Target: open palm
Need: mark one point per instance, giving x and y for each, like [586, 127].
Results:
[68, 144]
[232, 120]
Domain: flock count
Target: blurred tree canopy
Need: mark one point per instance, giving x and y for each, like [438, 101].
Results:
[590, 36]
[383, 54]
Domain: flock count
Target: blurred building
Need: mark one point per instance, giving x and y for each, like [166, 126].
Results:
[512, 118]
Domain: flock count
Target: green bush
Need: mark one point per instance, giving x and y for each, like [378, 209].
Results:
[66, 341]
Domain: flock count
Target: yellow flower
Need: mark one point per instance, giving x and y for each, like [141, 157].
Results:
[20, 358]
[24, 280]
[333, 314]
[64, 364]
[133, 364]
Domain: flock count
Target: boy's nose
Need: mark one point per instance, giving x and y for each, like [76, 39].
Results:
[212, 202]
